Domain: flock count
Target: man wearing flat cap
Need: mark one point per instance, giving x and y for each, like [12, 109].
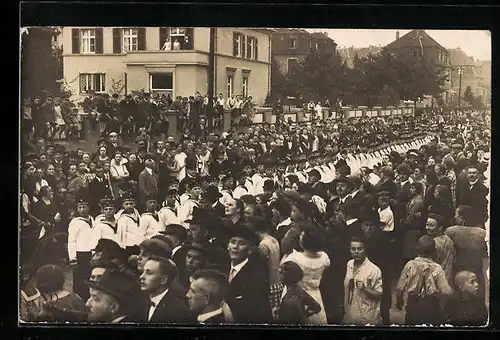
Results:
[248, 293]
[113, 297]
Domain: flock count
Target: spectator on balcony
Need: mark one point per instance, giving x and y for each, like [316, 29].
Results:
[177, 45]
[167, 46]
[187, 44]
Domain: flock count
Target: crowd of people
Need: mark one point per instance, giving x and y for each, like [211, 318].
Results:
[308, 223]
[62, 119]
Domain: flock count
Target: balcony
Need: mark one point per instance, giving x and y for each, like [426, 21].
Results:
[165, 58]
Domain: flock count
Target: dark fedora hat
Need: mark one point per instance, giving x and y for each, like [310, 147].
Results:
[176, 230]
[201, 216]
[245, 233]
[369, 215]
[212, 192]
[118, 283]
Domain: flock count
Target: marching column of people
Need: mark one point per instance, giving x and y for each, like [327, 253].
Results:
[154, 236]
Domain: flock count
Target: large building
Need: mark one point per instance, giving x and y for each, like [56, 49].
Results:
[124, 59]
[291, 45]
[419, 43]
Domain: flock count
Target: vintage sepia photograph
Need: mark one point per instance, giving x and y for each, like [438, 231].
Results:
[254, 175]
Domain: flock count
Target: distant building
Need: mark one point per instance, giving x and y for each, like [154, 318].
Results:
[470, 73]
[124, 59]
[419, 43]
[348, 54]
[291, 45]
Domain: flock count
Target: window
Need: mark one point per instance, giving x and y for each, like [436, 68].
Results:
[162, 82]
[245, 86]
[130, 39]
[88, 40]
[177, 31]
[238, 48]
[293, 64]
[92, 82]
[293, 43]
[230, 82]
[317, 46]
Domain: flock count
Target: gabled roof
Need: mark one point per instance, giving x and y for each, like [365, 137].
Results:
[459, 57]
[412, 38]
[288, 31]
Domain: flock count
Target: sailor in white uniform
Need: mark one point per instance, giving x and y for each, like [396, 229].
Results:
[105, 227]
[80, 247]
[168, 214]
[129, 233]
[149, 222]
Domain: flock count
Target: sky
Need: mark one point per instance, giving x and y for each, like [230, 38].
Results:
[475, 43]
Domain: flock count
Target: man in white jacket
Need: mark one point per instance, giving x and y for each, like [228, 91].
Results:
[80, 247]
[130, 235]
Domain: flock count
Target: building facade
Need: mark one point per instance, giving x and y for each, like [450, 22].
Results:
[420, 44]
[290, 46]
[172, 60]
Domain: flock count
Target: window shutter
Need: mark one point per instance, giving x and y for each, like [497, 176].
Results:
[75, 40]
[243, 46]
[249, 47]
[235, 44]
[141, 39]
[117, 40]
[163, 36]
[256, 49]
[98, 41]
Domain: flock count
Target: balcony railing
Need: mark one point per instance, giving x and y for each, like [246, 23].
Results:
[167, 57]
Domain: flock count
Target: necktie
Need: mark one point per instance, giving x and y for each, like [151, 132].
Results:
[232, 274]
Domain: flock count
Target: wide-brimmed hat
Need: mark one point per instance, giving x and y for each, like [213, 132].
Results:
[403, 169]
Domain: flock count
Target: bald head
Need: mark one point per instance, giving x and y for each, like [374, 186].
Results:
[466, 282]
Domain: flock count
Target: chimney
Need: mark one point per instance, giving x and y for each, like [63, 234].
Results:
[397, 35]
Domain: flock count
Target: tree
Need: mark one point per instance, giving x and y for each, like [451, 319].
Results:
[319, 76]
[41, 63]
[468, 95]
[278, 83]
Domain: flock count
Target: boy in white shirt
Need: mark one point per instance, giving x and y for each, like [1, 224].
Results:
[385, 212]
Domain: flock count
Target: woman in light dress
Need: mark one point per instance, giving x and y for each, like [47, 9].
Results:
[313, 261]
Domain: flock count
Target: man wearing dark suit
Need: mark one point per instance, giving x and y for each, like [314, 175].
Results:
[473, 193]
[248, 292]
[98, 189]
[148, 181]
[212, 195]
[205, 296]
[165, 306]
[290, 145]
[403, 193]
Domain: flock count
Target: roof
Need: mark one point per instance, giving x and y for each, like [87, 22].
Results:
[321, 35]
[412, 38]
[288, 31]
[459, 57]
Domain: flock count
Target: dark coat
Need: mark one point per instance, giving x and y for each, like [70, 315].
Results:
[476, 199]
[466, 312]
[248, 295]
[148, 185]
[171, 309]
[98, 190]
[219, 209]
[296, 306]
